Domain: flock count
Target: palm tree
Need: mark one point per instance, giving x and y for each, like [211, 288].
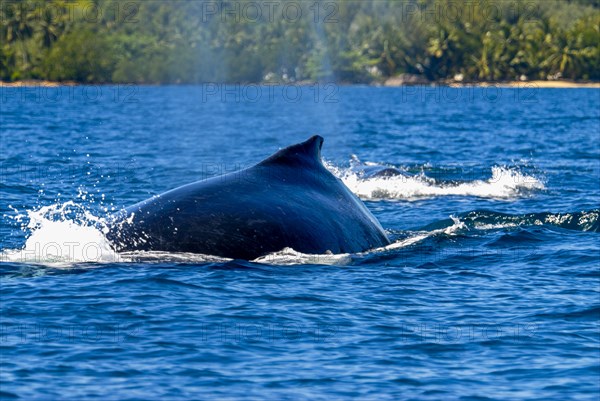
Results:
[19, 24]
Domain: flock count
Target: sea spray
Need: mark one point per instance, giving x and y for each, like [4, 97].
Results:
[505, 183]
[61, 233]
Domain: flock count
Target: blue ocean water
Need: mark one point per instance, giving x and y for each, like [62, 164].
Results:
[490, 291]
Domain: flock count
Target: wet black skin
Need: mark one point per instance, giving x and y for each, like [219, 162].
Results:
[288, 200]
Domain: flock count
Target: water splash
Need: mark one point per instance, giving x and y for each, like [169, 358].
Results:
[61, 234]
[504, 183]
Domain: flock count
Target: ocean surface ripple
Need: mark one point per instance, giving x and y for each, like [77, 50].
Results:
[489, 291]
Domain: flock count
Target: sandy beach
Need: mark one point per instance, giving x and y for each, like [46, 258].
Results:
[532, 84]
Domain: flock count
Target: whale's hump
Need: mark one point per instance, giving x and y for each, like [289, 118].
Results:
[289, 200]
[303, 153]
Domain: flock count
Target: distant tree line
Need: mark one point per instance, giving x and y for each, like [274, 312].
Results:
[170, 41]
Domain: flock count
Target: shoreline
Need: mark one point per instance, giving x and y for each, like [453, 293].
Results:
[390, 83]
[529, 84]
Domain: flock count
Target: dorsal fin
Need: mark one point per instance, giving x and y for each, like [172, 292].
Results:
[308, 152]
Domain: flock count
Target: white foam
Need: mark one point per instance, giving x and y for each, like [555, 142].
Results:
[62, 234]
[504, 183]
[170, 257]
[289, 256]
[485, 227]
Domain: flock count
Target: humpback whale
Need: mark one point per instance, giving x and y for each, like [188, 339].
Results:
[288, 200]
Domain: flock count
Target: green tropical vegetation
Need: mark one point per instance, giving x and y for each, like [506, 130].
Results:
[170, 41]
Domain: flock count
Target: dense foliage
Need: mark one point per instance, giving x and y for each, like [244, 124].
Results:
[170, 41]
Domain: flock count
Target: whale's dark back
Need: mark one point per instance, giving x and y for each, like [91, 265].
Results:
[288, 200]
